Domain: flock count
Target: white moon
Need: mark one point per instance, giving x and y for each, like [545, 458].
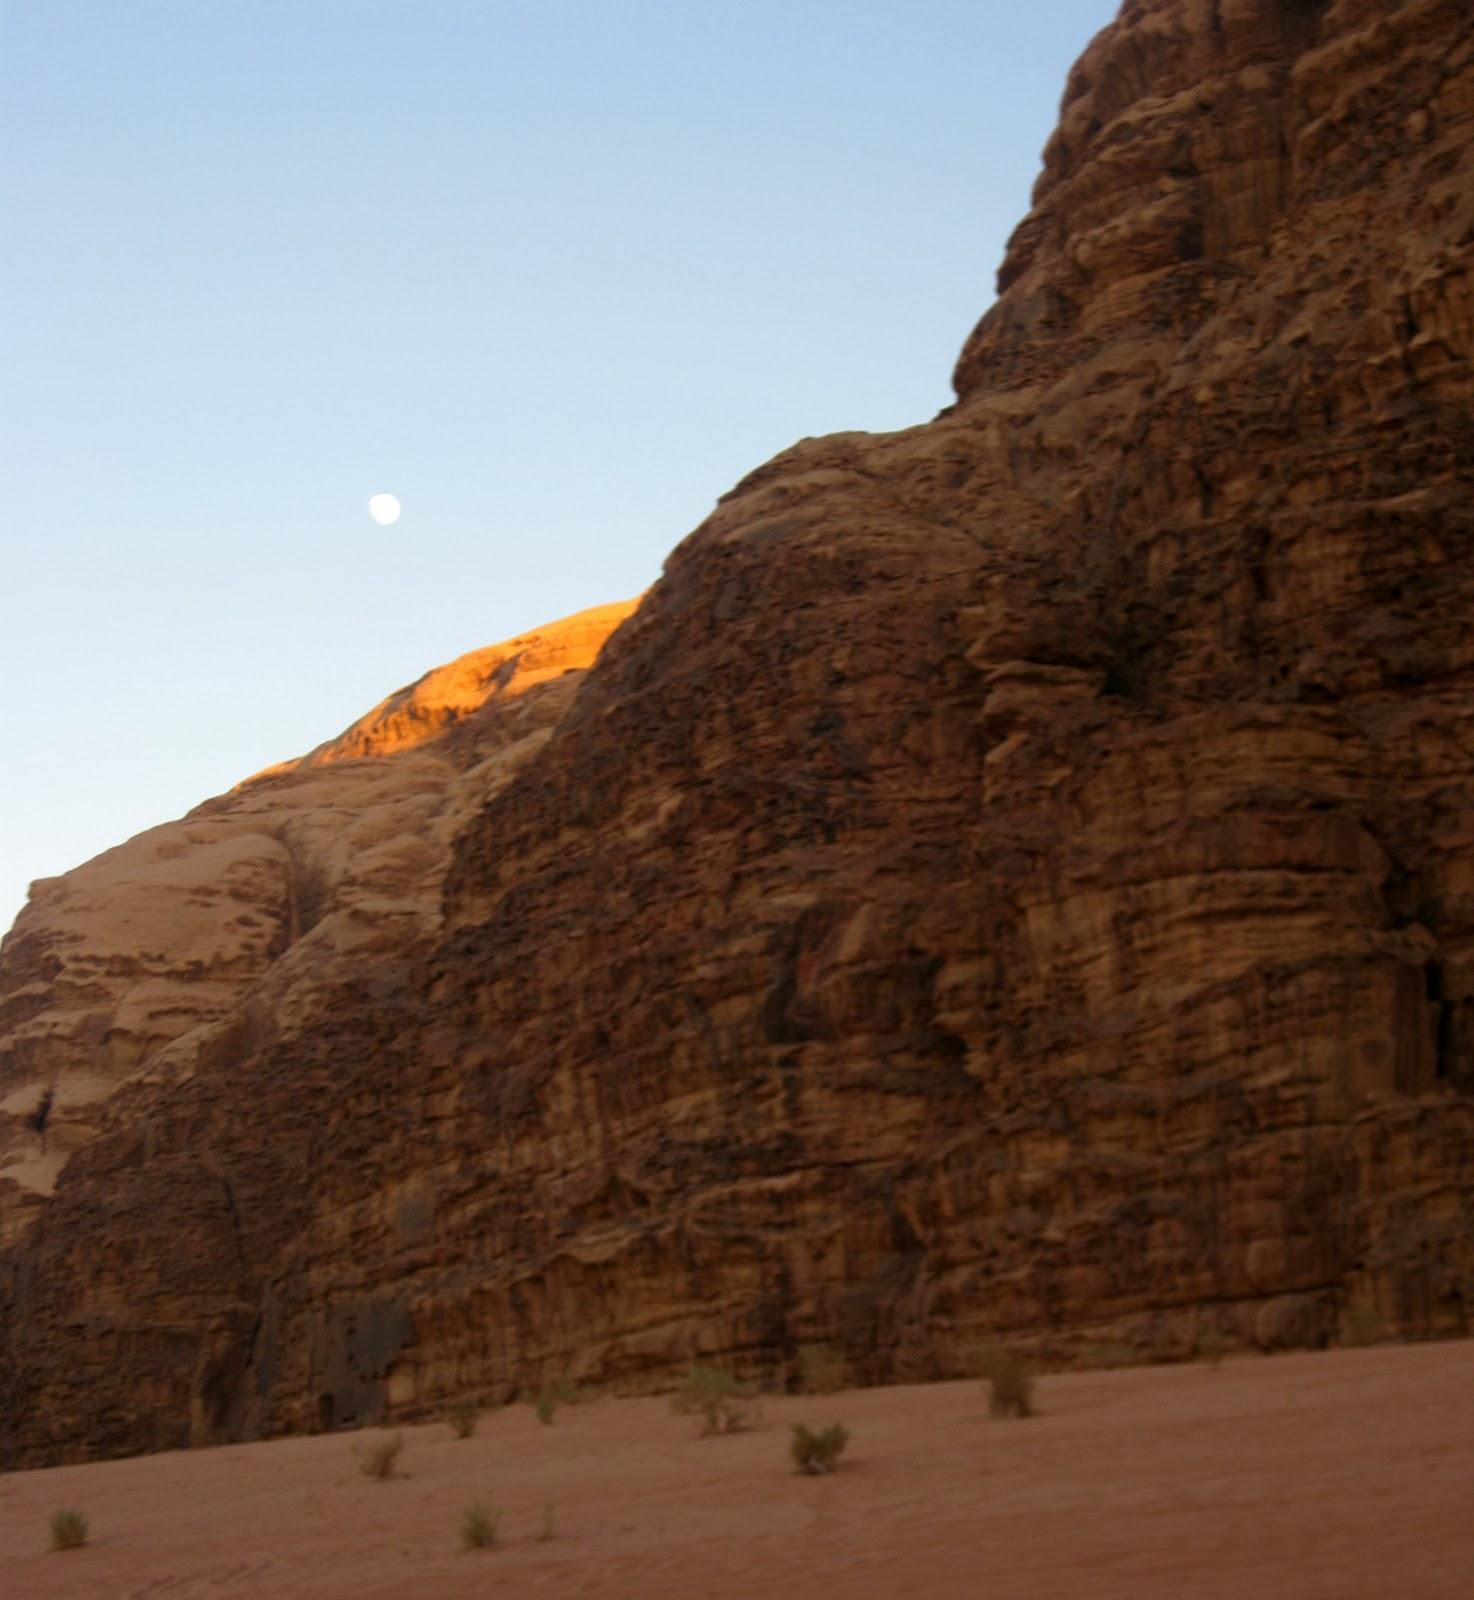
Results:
[384, 509]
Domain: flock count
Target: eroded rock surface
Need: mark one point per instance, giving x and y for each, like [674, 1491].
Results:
[1013, 877]
[194, 939]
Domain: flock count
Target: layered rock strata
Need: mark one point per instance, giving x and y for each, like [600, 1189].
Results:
[1010, 878]
[244, 915]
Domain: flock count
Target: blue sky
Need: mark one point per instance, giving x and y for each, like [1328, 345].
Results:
[555, 272]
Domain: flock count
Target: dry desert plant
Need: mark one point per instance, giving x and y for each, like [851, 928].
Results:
[1114, 1353]
[1362, 1324]
[381, 1459]
[715, 1396]
[1010, 1383]
[555, 1393]
[463, 1419]
[549, 1529]
[478, 1527]
[822, 1369]
[68, 1530]
[1211, 1347]
[813, 1452]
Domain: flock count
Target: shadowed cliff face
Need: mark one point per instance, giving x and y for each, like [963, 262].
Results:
[1010, 876]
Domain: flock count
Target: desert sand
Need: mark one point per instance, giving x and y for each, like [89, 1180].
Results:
[1340, 1476]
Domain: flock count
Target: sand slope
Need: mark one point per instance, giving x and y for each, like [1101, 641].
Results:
[1320, 1477]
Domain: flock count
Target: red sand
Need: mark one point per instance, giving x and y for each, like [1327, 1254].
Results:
[1319, 1477]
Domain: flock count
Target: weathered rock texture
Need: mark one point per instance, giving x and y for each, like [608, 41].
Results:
[246, 915]
[1014, 876]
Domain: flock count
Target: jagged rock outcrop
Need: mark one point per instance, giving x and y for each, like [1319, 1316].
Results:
[196, 937]
[1013, 876]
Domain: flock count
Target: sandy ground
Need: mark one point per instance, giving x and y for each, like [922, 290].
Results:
[1319, 1477]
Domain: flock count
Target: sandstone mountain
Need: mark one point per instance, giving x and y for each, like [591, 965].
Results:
[1012, 877]
[141, 964]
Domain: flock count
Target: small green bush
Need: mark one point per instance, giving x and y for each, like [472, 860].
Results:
[478, 1527]
[381, 1459]
[463, 1419]
[1010, 1383]
[68, 1530]
[546, 1406]
[814, 1453]
[822, 1369]
[715, 1397]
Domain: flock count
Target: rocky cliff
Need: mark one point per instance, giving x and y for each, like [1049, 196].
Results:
[1010, 877]
[248, 912]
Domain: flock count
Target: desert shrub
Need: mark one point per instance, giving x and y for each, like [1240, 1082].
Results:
[68, 1530]
[1362, 1324]
[463, 1419]
[553, 1394]
[478, 1527]
[549, 1529]
[381, 1459]
[1114, 1353]
[1211, 1346]
[814, 1453]
[715, 1397]
[1010, 1383]
[822, 1369]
